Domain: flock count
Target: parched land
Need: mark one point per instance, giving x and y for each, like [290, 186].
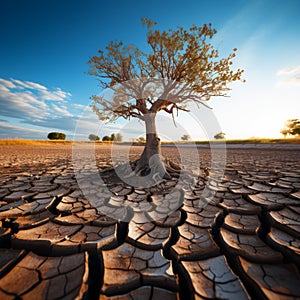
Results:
[220, 235]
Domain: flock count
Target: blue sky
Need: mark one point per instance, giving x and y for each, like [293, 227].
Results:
[45, 46]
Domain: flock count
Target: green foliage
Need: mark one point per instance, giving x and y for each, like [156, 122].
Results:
[185, 137]
[292, 127]
[56, 136]
[220, 136]
[112, 137]
[106, 138]
[94, 137]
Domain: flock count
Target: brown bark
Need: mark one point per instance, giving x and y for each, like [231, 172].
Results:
[151, 156]
[152, 145]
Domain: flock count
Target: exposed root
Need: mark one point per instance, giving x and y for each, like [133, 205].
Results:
[137, 170]
[173, 165]
[159, 170]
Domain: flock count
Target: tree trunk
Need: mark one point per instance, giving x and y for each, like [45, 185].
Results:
[151, 159]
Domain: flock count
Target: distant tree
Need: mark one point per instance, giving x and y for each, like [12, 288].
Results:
[119, 137]
[56, 136]
[284, 132]
[112, 137]
[292, 127]
[94, 137]
[220, 136]
[106, 138]
[183, 60]
[185, 137]
[141, 139]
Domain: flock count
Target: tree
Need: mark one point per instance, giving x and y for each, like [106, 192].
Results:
[284, 132]
[292, 127]
[181, 66]
[106, 138]
[94, 137]
[119, 137]
[185, 137]
[141, 139]
[56, 136]
[112, 137]
[220, 136]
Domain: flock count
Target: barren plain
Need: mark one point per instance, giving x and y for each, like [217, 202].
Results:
[243, 244]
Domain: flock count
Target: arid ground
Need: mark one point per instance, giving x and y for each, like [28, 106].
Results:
[243, 244]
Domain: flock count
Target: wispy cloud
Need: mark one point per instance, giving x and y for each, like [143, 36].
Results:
[292, 80]
[44, 93]
[57, 95]
[287, 71]
[28, 85]
[62, 110]
[27, 100]
[31, 110]
[33, 104]
[289, 76]
[61, 123]
[6, 83]
[14, 131]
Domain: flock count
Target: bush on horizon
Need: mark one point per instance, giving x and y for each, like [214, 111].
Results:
[56, 136]
[94, 137]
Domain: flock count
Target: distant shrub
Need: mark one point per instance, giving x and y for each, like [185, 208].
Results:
[220, 136]
[94, 137]
[106, 138]
[185, 137]
[119, 137]
[56, 136]
[116, 137]
[141, 139]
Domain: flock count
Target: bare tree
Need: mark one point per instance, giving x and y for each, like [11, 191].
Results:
[181, 66]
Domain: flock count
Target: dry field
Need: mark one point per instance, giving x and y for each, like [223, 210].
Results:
[243, 244]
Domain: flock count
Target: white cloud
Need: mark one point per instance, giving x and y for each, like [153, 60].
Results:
[21, 105]
[45, 94]
[26, 99]
[56, 95]
[6, 83]
[78, 106]
[8, 130]
[292, 80]
[29, 103]
[62, 110]
[3, 88]
[287, 71]
[28, 85]
[289, 76]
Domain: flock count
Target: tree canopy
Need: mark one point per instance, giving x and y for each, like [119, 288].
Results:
[180, 66]
[106, 138]
[94, 137]
[185, 61]
[56, 136]
[292, 127]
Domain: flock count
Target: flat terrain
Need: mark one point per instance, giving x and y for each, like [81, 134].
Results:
[218, 235]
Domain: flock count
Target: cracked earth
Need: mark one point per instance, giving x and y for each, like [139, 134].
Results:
[243, 245]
